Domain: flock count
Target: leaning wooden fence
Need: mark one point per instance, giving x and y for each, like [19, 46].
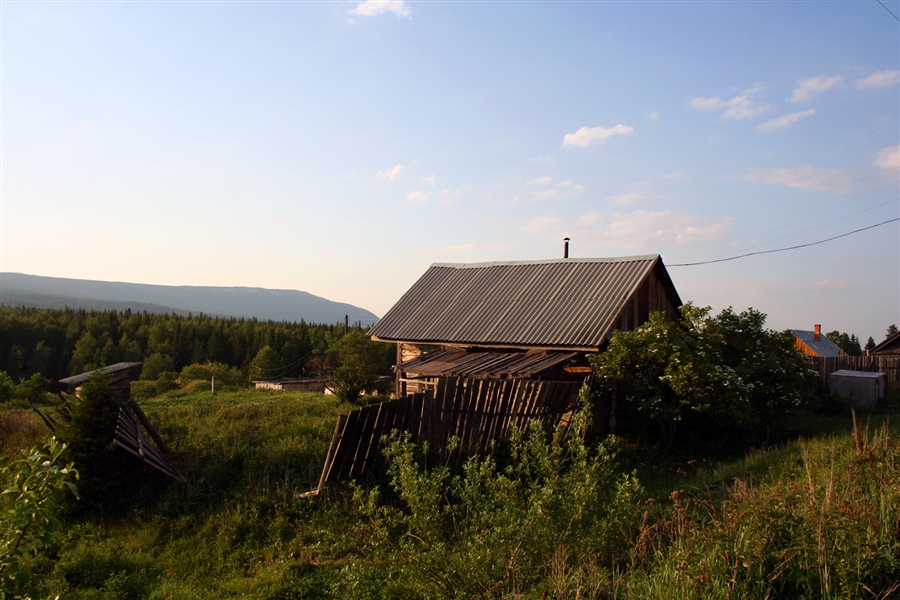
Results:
[477, 411]
[889, 365]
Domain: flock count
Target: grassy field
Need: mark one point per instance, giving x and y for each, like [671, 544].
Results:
[814, 518]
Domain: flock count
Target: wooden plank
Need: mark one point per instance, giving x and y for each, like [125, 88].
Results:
[374, 437]
[350, 438]
[367, 421]
[332, 446]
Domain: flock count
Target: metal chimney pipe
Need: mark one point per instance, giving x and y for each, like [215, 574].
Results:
[565, 247]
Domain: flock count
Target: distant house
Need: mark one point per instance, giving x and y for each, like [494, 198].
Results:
[889, 347]
[813, 343]
[303, 384]
[519, 320]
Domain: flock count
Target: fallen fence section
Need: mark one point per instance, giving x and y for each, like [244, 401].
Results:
[477, 411]
[130, 437]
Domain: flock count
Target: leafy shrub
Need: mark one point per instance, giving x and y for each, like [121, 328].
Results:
[226, 376]
[550, 519]
[33, 488]
[361, 361]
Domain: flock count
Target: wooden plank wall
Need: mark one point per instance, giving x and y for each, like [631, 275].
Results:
[889, 365]
[477, 411]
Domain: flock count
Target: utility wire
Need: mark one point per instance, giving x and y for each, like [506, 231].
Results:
[859, 212]
[887, 9]
[825, 210]
[706, 262]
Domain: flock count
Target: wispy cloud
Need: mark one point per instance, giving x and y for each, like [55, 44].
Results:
[635, 198]
[417, 196]
[372, 8]
[389, 174]
[834, 181]
[879, 79]
[430, 179]
[540, 180]
[888, 158]
[785, 121]
[587, 136]
[807, 88]
[633, 230]
[653, 115]
[743, 106]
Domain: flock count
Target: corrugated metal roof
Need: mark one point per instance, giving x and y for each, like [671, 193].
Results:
[110, 370]
[822, 346]
[561, 303]
[487, 364]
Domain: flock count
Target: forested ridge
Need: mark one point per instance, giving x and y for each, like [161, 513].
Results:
[62, 342]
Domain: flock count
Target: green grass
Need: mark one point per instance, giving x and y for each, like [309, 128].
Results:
[806, 519]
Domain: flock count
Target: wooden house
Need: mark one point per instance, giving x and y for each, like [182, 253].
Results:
[814, 344]
[519, 320]
[484, 348]
[889, 347]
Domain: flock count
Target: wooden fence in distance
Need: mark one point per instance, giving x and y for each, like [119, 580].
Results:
[889, 365]
[477, 411]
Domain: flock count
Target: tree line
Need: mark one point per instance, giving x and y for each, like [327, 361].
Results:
[61, 342]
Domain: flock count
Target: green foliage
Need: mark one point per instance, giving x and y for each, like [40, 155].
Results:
[33, 390]
[6, 387]
[226, 377]
[668, 369]
[870, 344]
[33, 489]
[267, 364]
[849, 343]
[156, 364]
[728, 368]
[891, 330]
[360, 362]
[498, 530]
[88, 424]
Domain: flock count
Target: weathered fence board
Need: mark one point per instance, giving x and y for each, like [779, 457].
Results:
[889, 365]
[475, 411]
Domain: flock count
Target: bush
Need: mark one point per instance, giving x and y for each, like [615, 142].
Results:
[550, 519]
[225, 376]
[361, 361]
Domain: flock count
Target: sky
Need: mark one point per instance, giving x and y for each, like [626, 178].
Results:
[340, 148]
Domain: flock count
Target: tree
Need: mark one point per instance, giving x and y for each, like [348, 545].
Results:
[870, 345]
[667, 369]
[729, 367]
[267, 364]
[891, 330]
[360, 362]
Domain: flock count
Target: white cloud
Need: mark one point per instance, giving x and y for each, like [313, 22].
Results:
[540, 180]
[417, 196]
[653, 115]
[807, 88]
[785, 121]
[740, 107]
[835, 181]
[430, 179]
[879, 79]
[635, 230]
[565, 183]
[888, 158]
[389, 174]
[634, 198]
[448, 196]
[371, 8]
[591, 135]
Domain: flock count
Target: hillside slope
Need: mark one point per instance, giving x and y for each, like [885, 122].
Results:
[277, 305]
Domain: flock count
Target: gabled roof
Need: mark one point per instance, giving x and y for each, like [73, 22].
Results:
[822, 346]
[128, 370]
[568, 303]
[890, 346]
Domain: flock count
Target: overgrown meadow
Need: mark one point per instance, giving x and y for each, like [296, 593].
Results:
[543, 516]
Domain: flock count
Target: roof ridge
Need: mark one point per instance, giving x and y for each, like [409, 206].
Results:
[612, 259]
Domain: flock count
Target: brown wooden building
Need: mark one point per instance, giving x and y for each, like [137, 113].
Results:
[889, 347]
[815, 343]
[519, 320]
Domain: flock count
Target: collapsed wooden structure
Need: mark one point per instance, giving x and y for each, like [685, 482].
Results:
[129, 435]
[484, 347]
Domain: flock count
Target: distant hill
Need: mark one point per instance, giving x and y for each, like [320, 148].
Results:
[17, 289]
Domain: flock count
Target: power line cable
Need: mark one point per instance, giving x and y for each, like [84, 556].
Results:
[825, 210]
[706, 262]
[859, 212]
[887, 9]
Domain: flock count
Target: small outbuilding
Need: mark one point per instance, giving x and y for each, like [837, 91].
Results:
[301, 384]
[863, 388]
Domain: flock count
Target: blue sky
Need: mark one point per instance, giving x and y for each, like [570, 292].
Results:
[341, 147]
